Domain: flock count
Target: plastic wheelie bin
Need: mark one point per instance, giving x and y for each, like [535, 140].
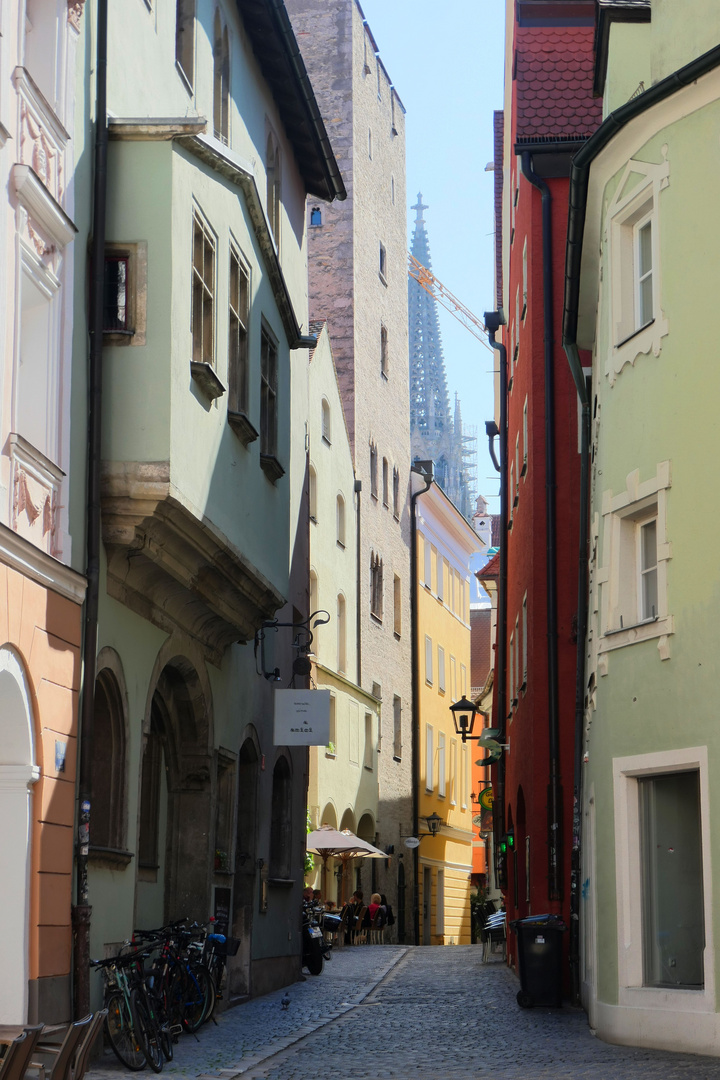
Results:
[539, 952]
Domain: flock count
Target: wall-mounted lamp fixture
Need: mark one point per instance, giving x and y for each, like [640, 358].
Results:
[434, 822]
[302, 664]
[463, 714]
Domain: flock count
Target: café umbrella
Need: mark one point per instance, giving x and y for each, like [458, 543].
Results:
[328, 842]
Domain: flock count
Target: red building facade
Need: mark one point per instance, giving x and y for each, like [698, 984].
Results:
[551, 113]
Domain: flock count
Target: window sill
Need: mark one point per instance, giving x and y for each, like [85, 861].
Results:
[326, 440]
[281, 882]
[112, 858]
[523, 471]
[382, 277]
[368, 768]
[376, 618]
[397, 757]
[397, 517]
[645, 631]
[634, 334]
[183, 77]
[373, 495]
[396, 635]
[383, 375]
[271, 467]
[328, 754]
[242, 427]
[340, 544]
[204, 375]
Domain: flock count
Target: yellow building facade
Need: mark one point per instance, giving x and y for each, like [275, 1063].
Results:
[445, 543]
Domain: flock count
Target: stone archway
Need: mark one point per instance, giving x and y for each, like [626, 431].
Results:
[245, 880]
[176, 823]
[18, 772]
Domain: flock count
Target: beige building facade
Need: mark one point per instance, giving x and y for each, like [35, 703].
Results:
[358, 282]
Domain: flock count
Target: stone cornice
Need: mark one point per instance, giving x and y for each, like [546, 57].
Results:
[157, 129]
[29, 560]
[171, 565]
[41, 206]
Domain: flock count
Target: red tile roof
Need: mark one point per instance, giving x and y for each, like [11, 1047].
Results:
[490, 570]
[554, 84]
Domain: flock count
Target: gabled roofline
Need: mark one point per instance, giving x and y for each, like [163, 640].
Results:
[608, 12]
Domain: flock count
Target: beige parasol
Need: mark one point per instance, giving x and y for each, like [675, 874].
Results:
[328, 842]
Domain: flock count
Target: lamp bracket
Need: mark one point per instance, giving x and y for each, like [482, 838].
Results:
[303, 639]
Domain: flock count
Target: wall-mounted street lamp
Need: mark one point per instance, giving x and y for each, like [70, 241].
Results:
[433, 823]
[463, 714]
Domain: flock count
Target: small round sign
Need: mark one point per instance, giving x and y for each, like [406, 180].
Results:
[412, 842]
[477, 820]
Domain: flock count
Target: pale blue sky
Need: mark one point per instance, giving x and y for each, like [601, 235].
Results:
[446, 61]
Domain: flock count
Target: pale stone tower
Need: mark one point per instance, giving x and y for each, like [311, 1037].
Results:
[358, 283]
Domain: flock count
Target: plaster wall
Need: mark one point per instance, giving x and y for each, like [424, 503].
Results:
[642, 694]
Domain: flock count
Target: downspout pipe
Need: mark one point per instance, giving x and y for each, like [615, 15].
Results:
[579, 184]
[425, 469]
[555, 838]
[358, 585]
[83, 911]
[493, 321]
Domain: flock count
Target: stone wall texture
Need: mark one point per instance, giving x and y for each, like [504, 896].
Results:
[365, 120]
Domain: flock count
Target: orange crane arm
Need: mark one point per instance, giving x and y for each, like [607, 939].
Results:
[439, 292]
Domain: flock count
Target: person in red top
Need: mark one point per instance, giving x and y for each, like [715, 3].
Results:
[374, 905]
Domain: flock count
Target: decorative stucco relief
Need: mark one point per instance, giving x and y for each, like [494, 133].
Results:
[75, 10]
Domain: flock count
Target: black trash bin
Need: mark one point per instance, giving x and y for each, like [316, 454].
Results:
[539, 952]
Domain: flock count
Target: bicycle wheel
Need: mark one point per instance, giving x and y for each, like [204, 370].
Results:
[121, 1035]
[147, 1030]
[199, 1000]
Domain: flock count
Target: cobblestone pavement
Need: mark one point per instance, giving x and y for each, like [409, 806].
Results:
[389, 1013]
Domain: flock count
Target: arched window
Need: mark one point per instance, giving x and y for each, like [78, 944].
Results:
[272, 169]
[185, 38]
[373, 470]
[386, 483]
[312, 494]
[107, 822]
[376, 585]
[281, 822]
[221, 80]
[341, 520]
[326, 430]
[341, 634]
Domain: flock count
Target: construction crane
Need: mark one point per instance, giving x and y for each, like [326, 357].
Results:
[450, 302]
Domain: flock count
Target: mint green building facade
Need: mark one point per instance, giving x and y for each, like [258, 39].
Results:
[195, 810]
[648, 284]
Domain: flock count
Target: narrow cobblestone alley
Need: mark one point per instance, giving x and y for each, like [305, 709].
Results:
[385, 1012]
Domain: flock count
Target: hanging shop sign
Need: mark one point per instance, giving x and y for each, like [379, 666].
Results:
[485, 798]
[302, 718]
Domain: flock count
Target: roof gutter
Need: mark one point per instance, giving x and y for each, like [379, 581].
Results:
[297, 63]
[579, 184]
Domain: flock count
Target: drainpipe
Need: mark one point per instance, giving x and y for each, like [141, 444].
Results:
[571, 352]
[358, 575]
[555, 838]
[493, 321]
[82, 910]
[424, 469]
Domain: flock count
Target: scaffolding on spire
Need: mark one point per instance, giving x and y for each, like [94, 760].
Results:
[435, 433]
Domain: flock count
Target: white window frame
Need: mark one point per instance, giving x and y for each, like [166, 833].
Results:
[635, 204]
[628, 876]
[441, 669]
[442, 780]
[428, 661]
[427, 572]
[464, 776]
[524, 643]
[453, 772]
[524, 469]
[618, 570]
[429, 759]
[441, 577]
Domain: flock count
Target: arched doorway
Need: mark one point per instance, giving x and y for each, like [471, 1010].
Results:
[348, 882]
[245, 879]
[174, 856]
[366, 831]
[329, 883]
[18, 772]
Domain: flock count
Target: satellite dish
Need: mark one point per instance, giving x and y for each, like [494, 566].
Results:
[411, 842]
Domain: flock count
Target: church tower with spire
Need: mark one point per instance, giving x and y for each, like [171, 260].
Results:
[435, 433]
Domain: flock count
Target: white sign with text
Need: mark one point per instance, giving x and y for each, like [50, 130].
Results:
[302, 718]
